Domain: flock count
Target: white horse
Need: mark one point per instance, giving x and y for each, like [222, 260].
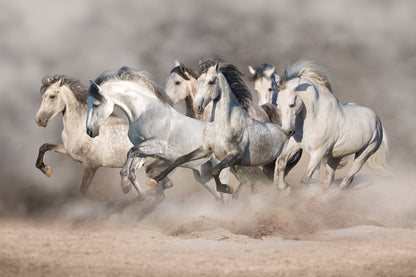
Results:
[62, 94]
[265, 79]
[324, 128]
[233, 136]
[155, 129]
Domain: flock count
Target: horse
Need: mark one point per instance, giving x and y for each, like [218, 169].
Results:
[265, 79]
[66, 95]
[155, 128]
[233, 136]
[181, 84]
[327, 129]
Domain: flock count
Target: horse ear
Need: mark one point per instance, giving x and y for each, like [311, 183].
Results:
[217, 66]
[61, 82]
[92, 83]
[270, 72]
[285, 74]
[251, 70]
[177, 63]
[200, 63]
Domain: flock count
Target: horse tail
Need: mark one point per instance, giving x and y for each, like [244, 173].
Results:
[377, 161]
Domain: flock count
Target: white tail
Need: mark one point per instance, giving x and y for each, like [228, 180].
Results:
[377, 161]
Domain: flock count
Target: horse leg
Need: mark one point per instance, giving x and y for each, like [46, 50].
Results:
[46, 169]
[316, 158]
[198, 153]
[284, 163]
[236, 193]
[230, 160]
[331, 166]
[359, 159]
[124, 172]
[89, 173]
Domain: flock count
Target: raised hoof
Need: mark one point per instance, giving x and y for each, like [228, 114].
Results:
[47, 170]
[167, 183]
[151, 183]
[225, 189]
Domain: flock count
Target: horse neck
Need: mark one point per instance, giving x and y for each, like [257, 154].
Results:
[136, 101]
[192, 89]
[75, 111]
[226, 101]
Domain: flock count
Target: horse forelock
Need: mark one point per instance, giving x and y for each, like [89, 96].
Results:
[205, 65]
[182, 69]
[260, 71]
[128, 74]
[309, 70]
[79, 91]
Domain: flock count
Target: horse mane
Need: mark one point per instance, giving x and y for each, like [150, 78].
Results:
[308, 70]
[233, 77]
[79, 91]
[260, 71]
[128, 74]
[182, 69]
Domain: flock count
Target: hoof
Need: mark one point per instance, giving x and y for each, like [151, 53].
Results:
[226, 189]
[287, 191]
[126, 189]
[151, 183]
[167, 183]
[47, 170]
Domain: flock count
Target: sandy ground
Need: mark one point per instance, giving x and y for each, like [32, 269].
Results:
[369, 230]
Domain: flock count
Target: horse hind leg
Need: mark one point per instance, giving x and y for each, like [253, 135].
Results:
[230, 160]
[89, 173]
[357, 164]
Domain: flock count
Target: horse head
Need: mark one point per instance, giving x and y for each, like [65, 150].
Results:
[290, 105]
[99, 109]
[179, 81]
[208, 85]
[265, 79]
[52, 100]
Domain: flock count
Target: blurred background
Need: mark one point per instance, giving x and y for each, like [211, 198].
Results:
[368, 46]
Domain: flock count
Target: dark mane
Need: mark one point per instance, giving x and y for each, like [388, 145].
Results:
[182, 69]
[128, 74]
[260, 71]
[233, 76]
[79, 90]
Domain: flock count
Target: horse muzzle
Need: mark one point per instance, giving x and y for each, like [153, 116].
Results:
[40, 121]
[92, 133]
[288, 133]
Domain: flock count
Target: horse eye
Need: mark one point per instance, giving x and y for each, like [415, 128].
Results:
[211, 82]
[96, 104]
[270, 89]
[177, 83]
[52, 96]
[292, 105]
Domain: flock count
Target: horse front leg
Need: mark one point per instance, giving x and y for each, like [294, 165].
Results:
[46, 169]
[314, 162]
[331, 166]
[229, 160]
[197, 154]
[284, 163]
